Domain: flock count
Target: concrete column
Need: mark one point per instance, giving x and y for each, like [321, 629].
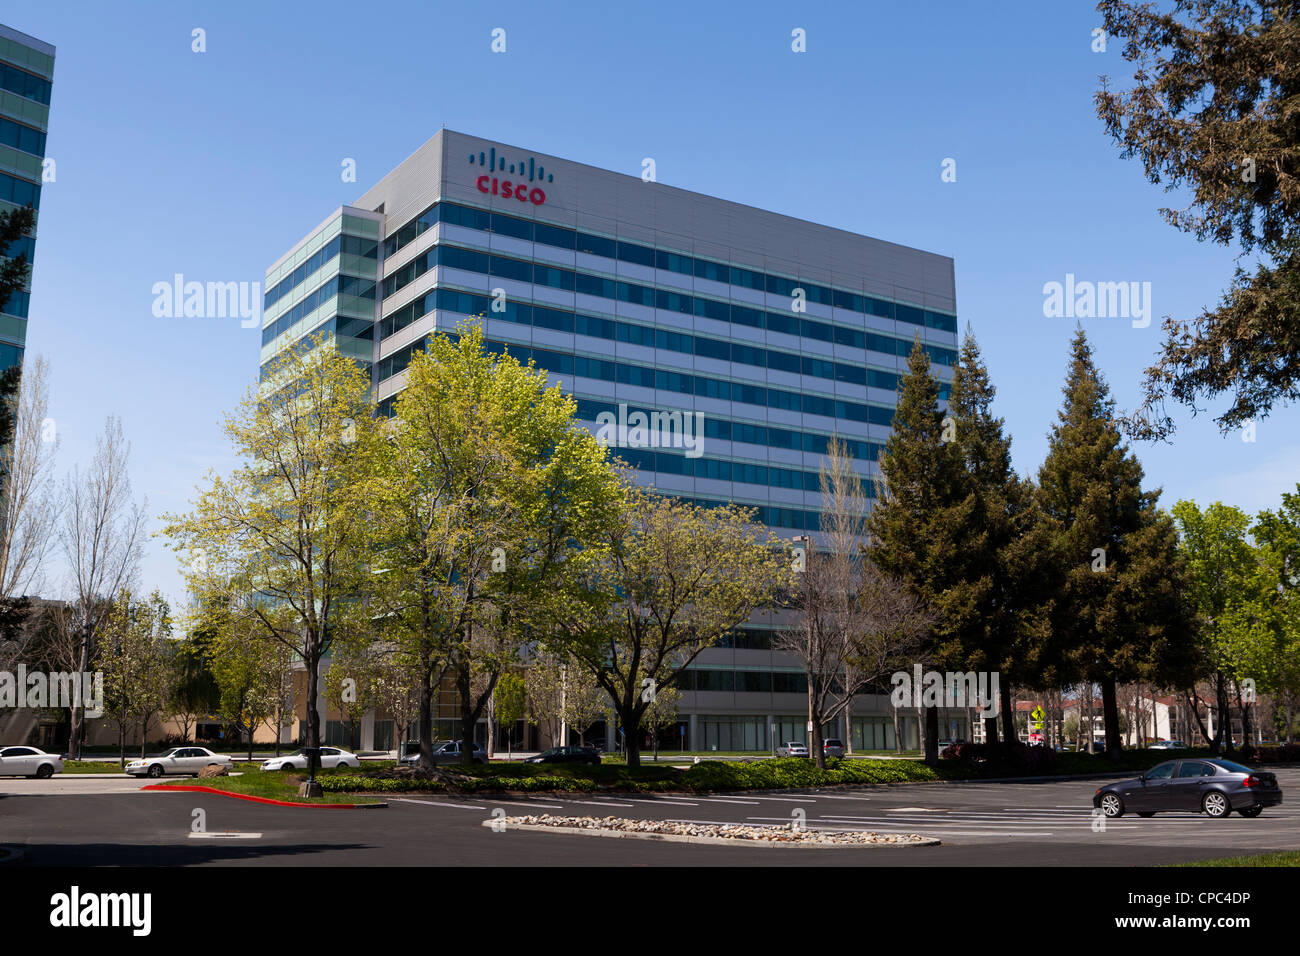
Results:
[693, 733]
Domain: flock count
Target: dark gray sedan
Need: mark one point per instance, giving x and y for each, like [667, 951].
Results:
[445, 754]
[1211, 786]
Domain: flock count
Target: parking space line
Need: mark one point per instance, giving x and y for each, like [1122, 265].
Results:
[436, 803]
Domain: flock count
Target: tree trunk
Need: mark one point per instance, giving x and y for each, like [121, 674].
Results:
[312, 660]
[424, 726]
[815, 748]
[1008, 709]
[466, 712]
[1110, 716]
[932, 735]
[1223, 732]
[78, 731]
[898, 737]
[631, 735]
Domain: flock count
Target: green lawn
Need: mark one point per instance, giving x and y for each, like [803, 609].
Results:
[272, 784]
[1281, 858]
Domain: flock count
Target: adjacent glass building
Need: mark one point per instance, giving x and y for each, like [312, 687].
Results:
[773, 333]
[26, 71]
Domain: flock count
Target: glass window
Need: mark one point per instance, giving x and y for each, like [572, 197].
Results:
[631, 252]
[597, 245]
[1163, 772]
[554, 235]
[511, 226]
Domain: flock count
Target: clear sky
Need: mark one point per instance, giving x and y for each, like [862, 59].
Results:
[212, 164]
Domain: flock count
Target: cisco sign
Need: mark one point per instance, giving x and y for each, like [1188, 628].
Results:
[507, 188]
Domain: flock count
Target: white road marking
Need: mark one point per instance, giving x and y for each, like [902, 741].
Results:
[435, 803]
[225, 836]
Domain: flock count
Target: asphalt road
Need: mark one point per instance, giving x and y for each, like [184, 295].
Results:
[88, 822]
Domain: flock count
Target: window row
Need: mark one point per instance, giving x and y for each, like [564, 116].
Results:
[573, 240]
[22, 246]
[564, 363]
[335, 285]
[562, 320]
[471, 260]
[723, 469]
[18, 304]
[348, 245]
[24, 84]
[725, 430]
[18, 136]
[20, 192]
[743, 681]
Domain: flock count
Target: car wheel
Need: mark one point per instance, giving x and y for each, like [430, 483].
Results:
[287, 767]
[1216, 804]
[1147, 813]
[1251, 812]
[1112, 805]
[44, 772]
[156, 771]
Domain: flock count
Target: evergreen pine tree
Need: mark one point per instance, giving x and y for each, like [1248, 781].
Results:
[922, 516]
[1121, 613]
[1004, 545]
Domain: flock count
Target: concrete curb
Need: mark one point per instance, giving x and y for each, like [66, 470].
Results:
[179, 788]
[704, 841]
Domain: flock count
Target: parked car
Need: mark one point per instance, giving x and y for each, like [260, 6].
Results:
[1211, 786]
[1168, 745]
[792, 748]
[586, 755]
[445, 753]
[179, 760]
[330, 757]
[29, 762]
[833, 747]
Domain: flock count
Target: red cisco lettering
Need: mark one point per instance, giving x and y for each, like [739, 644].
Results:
[508, 189]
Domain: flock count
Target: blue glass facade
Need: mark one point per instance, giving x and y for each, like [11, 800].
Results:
[26, 71]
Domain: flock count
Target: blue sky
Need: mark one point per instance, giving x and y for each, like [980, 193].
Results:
[212, 164]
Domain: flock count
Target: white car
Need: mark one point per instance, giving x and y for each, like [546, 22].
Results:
[29, 762]
[330, 757]
[179, 760]
[792, 748]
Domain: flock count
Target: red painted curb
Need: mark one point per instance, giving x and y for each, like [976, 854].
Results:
[244, 796]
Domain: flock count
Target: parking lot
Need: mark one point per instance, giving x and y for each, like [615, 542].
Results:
[84, 821]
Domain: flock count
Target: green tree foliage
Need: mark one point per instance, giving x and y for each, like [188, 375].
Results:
[1006, 567]
[135, 655]
[279, 544]
[1120, 611]
[922, 522]
[1213, 111]
[1277, 536]
[511, 705]
[483, 495]
[671, 579]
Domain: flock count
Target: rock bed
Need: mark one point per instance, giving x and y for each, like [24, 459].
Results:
[676, 830]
